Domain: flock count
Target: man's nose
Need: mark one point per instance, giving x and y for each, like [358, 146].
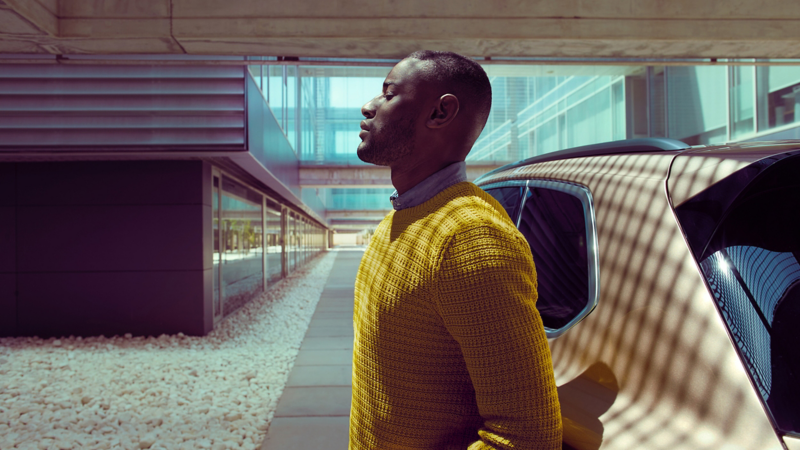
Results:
[368, 110]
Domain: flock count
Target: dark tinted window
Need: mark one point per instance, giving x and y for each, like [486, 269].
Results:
[751, 262]
[510, 198]
[554, 223]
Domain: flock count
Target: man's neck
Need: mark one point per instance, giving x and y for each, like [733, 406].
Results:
[407, 177]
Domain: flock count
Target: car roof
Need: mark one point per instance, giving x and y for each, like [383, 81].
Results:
[605, 148]
[744, 152]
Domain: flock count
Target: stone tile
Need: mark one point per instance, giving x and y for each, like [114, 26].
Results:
[330, 331]
[329, 292]
[342, 318]
[307, 433]
[314, 401]
[327, 343]
[347, 320]
[321, 376]
[332, 314]
[335, 308]
[328, 357]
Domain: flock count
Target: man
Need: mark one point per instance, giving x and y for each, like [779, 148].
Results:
[449, 349]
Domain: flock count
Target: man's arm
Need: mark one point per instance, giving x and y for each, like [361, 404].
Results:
[487, 299]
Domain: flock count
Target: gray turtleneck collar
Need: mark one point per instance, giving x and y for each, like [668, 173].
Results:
[429, 187]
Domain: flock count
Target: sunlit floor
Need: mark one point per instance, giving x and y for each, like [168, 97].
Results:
[172, 392]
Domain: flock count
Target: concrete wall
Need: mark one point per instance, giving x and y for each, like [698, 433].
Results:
[385, 28]
[105, 247]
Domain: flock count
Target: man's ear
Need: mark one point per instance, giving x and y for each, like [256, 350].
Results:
[443, 112]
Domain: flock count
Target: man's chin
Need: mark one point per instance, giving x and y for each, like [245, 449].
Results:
[368, 156]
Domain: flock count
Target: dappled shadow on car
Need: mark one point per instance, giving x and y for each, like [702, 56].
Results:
[654, 326]
[583, 400]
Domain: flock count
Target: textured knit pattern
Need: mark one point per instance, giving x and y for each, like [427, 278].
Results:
[449, 349]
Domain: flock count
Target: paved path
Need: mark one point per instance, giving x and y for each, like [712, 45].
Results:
[314, 410]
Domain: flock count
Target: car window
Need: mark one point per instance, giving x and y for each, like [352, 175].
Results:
[509, 196]
[557, 224]
[751, 263]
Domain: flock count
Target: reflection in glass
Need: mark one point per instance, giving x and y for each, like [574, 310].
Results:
[554, 225]
[742, 96]
[696, 99]
[273, 244]
[778, 95]
[290, 124]
[509, 198]
[748, 247]
[242, 250]
[217, 306]
[292, 247]
[752, 286]
[255, 71]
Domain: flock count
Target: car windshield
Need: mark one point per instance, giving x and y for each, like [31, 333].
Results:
[751, 262]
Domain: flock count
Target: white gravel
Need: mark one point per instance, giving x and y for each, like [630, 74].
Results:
[171, 392]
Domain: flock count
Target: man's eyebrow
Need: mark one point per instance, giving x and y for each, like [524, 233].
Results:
[388, 83]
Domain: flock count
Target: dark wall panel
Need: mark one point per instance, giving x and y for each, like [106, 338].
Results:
[8, 240]
[111, 183]
[8, 304]
[110, 238]
[8, 184]
[89, 304]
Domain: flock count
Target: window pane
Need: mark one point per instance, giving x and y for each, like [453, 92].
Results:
[742, 94]
[242, 263]
[217, 256]
[291, 105]
[554, 224]
[256, 72]
[778, 96]
[276, 92]
[292, 247]
[510, 198]
[751, 264]
[273, 244]
[696, 104]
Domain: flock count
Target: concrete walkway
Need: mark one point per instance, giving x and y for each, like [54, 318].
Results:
[314, 410]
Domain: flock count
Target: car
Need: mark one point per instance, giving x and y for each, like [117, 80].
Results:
[669, 288]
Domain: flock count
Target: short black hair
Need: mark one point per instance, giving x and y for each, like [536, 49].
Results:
[463, 76]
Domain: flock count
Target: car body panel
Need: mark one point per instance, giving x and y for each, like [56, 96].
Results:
[652, 366]
[792, 443]
[698, 168]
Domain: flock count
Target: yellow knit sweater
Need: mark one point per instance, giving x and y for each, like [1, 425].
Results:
[449, 350]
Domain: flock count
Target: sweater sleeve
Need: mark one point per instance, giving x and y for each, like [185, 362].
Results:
[487, 300]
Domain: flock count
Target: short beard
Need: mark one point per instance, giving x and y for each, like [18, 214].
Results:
[392, 145]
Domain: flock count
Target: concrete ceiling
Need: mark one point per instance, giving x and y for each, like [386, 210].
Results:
[392, 29]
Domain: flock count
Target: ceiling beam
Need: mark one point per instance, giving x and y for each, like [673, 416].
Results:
[43, 18]
[386, 29]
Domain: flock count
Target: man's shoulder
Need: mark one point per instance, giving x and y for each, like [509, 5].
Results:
[470, 207]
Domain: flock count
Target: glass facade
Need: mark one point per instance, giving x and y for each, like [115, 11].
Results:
[217, 305]
[241, 233]
[256, 241]
[538, 109]
[273, 241]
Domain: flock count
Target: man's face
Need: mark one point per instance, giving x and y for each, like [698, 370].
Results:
[388, 132]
